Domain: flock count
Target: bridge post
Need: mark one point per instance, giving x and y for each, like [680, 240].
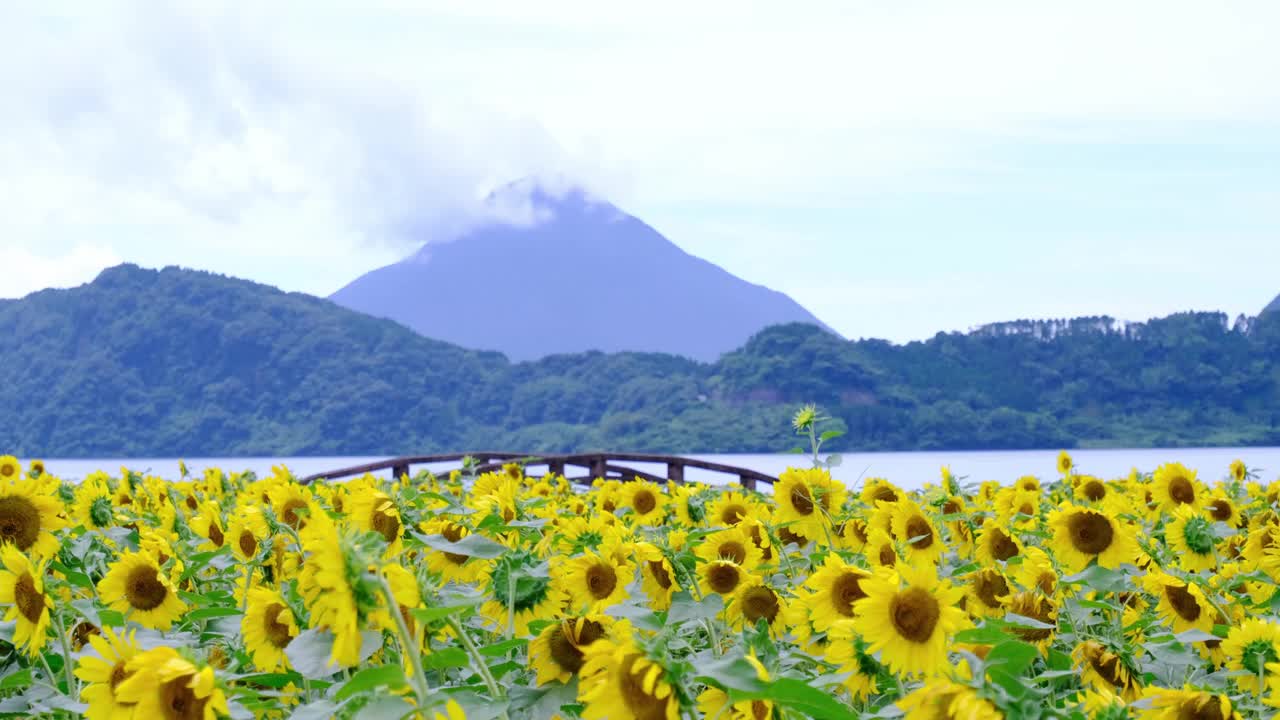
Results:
[597, 467]
[747, 481]
[675, 472]
[399, 471]
[555, 467]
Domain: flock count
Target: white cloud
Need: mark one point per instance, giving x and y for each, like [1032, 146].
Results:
[26, 272]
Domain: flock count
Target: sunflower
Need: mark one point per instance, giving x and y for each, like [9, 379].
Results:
[166, 685]
[1239, 471]
[657, 575]
[1089, 489]
[519, 595]
[595, 581]
[10, 469]
[1222, 508]
[105, 672]
[880, 550]
[618, 681]
[731, 507]
[22, 585]
[646, 501]
[1064, 463]
[451, 567]
[721, 576]
[846, 649]
[731, 544]
[208, 524]
[806, 499]
[916, 531]
[1175, 484]
[1038, 607]
[995, 544]
[372, 510]
[267, 628]
[328, 583]
[852, 534]
[832, 592]
[1190, 536]
[755, 601]
[907, 618]
[1185, 704]
[878, 490]
[1250, 649]
[715, 703]
[246, 531]
[1081, 535]
[941, 699]
[137, 586]
[92, 507]
[988, 593]
[291, 504]
[29, 514]
[1036, 572]
[1104, 670]
[556, 654]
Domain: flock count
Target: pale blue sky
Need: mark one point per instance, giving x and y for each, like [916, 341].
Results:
[899, 168]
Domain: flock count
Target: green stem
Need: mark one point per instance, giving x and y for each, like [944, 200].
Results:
[407, 648]
[72, 690]
[477, 659]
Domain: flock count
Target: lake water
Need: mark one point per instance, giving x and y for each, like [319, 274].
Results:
[907, 469]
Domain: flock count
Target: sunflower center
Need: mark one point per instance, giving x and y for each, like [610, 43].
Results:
[919, 534]
[724, 577]
[179, 702]
[1107, 666]
[760, 602]
[386, 524]
[884, 493]
[8, 470]
[643, 705]
[1002, 546]
[846, 590]
[1031, 605]
[192, 503]
[80, 634]
[950, 507]
[277, 632]
[801, 500]
[990, 586]
[1257, 655]
[1181, 490]
[215, 534]
[733, 550]
[30, 601]
[644, 502]
[887, 555]
[1201, 708]
[1220, 510]
[564, 652]
[787, 537]
[143, 588]
[119, 673]
[915, 614]
[1094, 490]
[454, 533]
[732, 514]
[660, 574]
[1198, 535]
[1091, 533]
[1183, 602]
[248, 543]
[289, 513]
[601, 581]
[19, 521]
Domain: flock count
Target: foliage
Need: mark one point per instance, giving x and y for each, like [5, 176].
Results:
[146, 363]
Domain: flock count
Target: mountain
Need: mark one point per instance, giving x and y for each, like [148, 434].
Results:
[1273, 307]
[584, 276]
[146, 363]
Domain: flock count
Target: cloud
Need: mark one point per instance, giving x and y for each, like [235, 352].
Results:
[25, 272]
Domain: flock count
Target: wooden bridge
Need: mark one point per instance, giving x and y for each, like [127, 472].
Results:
[609, 466]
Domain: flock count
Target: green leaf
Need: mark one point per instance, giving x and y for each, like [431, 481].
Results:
[432, 614]
[1007, 661]
[989, 634]
[318, 710]
[209, 613]
[798, 695]
[19, 679]
[446, 658]
[387, 707]
[1100, 579]
[477, 546]
[502, 648]
[389, 676]
[830, 435]
[684, 609]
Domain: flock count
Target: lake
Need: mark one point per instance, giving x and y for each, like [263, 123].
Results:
[907, 469]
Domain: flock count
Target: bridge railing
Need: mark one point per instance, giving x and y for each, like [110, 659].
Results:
[595, 465]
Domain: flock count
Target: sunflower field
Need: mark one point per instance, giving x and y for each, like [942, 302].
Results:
[499, 595]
